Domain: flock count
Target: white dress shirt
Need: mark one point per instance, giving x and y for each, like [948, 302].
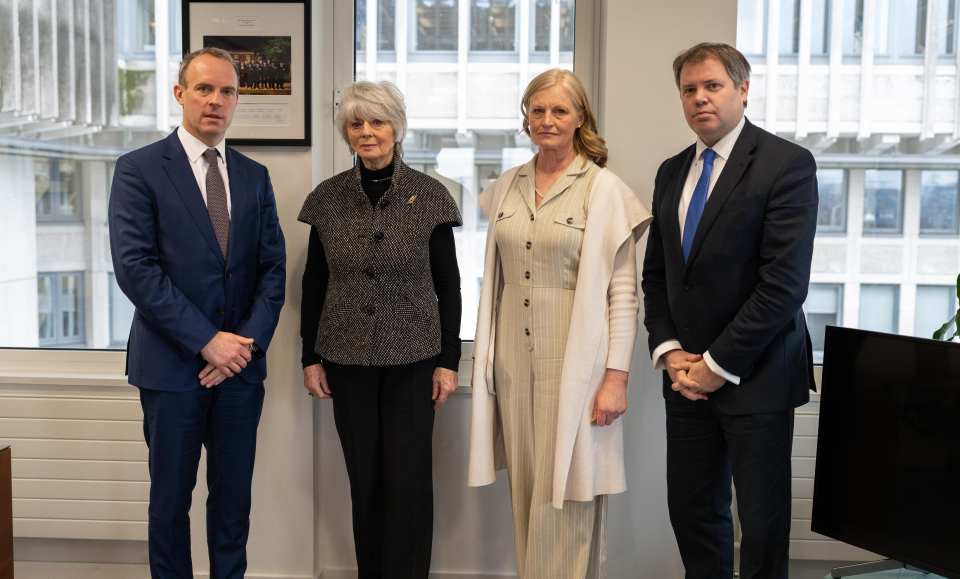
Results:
[722, 148]
[195, 148]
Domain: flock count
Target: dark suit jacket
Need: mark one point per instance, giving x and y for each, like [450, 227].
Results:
[740, 295]
[167, 261]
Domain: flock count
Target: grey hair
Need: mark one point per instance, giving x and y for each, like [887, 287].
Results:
[211, 51]
[368, 101]
[738, 68]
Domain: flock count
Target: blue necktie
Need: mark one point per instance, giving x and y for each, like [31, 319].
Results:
[697, 203]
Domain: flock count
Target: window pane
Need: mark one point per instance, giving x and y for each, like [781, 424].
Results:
[493, 25]
[567, 19]
[947, 32]
[935, 305]
[882, 201]
[822, 308]
[820, 27]
[386, 25]
[832, 213]
[938, 202]
[751, 26]
[542, 24]
[437, 24]
[852, 27]
[879, 308]
[789, 26]
[121, 314]
[90, 95]
[541, 18]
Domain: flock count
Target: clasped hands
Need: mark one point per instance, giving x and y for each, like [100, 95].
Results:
[690, 375]
[226, 355]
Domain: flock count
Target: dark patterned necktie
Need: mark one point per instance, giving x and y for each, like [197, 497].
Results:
[217, 200]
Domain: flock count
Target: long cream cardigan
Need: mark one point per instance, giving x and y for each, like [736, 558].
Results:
[589, 459]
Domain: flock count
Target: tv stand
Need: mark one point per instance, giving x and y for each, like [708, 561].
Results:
[871, 567]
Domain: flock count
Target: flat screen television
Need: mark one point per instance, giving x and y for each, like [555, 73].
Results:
[888, 451]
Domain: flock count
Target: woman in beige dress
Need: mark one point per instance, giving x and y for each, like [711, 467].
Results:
[555, 334]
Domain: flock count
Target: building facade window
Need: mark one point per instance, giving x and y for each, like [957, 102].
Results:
[883, 201]
[57, 185]
[880, 307]
[939, 207]
[121, 314]
[542, 24]
[386, 26]
[823, 308]
[947, 30]
[832, 213]
[935, 305]
[493, 25]
[436, 25]
[60, 298]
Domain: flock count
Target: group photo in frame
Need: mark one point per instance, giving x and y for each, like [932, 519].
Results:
[270, 42]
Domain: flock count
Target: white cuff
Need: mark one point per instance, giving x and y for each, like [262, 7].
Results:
[662, 349]
[712, 364]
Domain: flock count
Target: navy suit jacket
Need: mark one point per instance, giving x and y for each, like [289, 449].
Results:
[167, 261]
[740, 294]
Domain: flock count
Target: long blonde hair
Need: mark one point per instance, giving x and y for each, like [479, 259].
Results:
[586, 140]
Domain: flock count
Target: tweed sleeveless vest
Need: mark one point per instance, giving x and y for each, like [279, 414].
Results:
[380, 308]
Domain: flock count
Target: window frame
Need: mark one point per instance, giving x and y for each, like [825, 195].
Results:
[57, 308]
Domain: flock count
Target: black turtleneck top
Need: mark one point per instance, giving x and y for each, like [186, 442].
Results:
[443, 266]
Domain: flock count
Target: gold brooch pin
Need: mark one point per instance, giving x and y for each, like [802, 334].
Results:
[411, 199]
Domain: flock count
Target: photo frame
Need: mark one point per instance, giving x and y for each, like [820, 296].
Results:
[271, 43]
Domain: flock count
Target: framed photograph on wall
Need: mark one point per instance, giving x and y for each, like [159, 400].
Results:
[271, 44]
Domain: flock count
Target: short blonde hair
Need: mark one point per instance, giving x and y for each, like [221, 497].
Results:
[586, 141]
[368, 101]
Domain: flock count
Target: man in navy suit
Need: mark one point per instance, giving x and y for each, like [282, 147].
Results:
[197, 248]
[724, 278]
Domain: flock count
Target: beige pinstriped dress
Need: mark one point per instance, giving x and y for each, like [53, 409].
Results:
[539, 255]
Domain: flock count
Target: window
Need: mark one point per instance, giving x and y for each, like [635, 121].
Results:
[436, 24]
[121, 315]
[880, 308]
[882, 201]
[832, 213]
[789, 27]
[938, 202]
[790, 19]
[852, 27]
[751, 26]
[901, 28]
[60, 308]
[823, 308]
[57, 187]
[86, 93]
[935, 305]
[947, 32]
[386, 25]
[493, 25]
[543, 24]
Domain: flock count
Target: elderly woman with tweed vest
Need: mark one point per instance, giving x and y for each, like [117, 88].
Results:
[380, 323]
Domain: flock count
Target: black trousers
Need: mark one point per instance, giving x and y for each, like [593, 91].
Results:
[384, 417]
[704, 450]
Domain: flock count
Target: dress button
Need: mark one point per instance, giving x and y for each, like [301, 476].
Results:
[529, 244]
[569, 220]
[526, 303]
[526, 275]
[526, 331]
[499, 215]
[531, 217]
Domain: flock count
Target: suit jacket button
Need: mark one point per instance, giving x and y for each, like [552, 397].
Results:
[686, 287]
[378, 236]
[569, 220]
[369, 310]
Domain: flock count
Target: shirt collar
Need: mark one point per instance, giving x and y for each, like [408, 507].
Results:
[724, 146]
[194, 147]
[577, 166]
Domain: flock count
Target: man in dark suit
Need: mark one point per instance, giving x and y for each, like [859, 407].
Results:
[724, 278]
[197, 248]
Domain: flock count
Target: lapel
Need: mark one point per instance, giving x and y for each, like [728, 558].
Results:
[178, 169]
[671, 223]
[526, 186]
[240, 198]
[733, 170]
[577, 168]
